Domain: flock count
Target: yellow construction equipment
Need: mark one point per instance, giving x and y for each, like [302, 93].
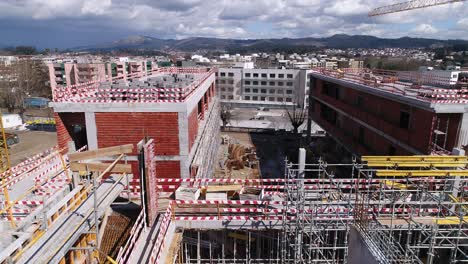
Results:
[416, 158]
[451, 220]
[422, 173]
[5, 167]
[396, 185]
[421, 164]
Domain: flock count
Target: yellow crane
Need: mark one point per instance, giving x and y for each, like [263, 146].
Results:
[409, 5]
[5, 167]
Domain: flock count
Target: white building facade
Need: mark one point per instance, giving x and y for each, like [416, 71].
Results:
[263, 87]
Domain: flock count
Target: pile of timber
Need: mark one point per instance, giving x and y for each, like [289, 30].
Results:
[240, 157]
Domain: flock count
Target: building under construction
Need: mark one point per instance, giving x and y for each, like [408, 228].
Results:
[114, 192]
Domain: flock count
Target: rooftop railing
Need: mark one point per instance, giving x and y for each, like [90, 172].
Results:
[424, 85]
[122, 90]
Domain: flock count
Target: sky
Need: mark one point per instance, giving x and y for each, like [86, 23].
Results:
[71, 23]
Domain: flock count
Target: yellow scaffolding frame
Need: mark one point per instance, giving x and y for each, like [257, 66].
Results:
[5, 167]
[421, 173]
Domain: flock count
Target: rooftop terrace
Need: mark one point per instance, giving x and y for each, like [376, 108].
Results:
[164, 85]
[426, 87]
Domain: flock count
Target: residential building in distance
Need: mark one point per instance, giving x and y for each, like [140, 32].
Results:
[262, 87]
[175, 106]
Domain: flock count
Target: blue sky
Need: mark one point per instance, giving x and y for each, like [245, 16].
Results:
[71, 23]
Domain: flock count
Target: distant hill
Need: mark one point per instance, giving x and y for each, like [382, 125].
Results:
[218, 44]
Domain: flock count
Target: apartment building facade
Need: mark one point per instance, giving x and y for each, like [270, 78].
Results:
[268, 87]
[371, 118]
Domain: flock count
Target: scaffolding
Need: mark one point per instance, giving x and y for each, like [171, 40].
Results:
[399, 209]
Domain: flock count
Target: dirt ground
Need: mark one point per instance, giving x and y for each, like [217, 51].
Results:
[31, 142]
[275, 147]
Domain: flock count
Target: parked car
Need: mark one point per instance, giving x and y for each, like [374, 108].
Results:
[11, 139]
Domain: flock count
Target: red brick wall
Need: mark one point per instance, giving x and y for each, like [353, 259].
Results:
[192, 127]
[129, 128]
[64, 124]
[383, 114]
[168, 169]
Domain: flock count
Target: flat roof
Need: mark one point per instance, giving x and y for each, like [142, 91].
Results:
[436, 95]
[164, 85]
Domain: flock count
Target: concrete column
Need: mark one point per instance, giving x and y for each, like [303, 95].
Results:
[184, 144]
[91, 130]
[462, 137]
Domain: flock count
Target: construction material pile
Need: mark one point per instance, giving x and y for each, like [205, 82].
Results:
[240, 156]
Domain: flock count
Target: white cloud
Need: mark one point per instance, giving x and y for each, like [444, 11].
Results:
[463, 23]
[347, 8]
[240, 18]
[425, 29]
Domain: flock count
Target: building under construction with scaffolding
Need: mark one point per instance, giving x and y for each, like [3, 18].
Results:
[62, 204]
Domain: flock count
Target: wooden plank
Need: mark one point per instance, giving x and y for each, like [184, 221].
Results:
[422, 173]
[414, 164]
[121, 168]
[99, 153]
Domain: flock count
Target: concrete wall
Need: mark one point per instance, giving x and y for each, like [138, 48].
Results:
[358, 251]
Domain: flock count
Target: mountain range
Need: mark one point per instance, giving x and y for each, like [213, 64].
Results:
[218, 44]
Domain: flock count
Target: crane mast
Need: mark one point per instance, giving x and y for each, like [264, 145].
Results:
[410, 5]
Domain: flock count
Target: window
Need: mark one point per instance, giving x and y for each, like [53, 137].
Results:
[263, 90]
[255, 75]
[216, 74]
[272, 91]
[247, 82]
[255, 90]
[271, 99]
[222, 81]
[230, 81]
[247, 75]
[264, 83]
[255, 82]
[359, 101]
[246, 97]
[262, 98]
[223, 97]
[288, 100]
[281, 76]
[361, 135]
[280, 91]
[255, 98]
[247, 90]
[279, 99]
[231, 97]
[223, 89]
[290, 76]
[280, 83]
[231, 74]
[391, 150]
[223, 74]
[272, 83]
[289, 91]
[272, 75]
[264, 75]
[404, 119]
[290, 84]
[230, 89]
